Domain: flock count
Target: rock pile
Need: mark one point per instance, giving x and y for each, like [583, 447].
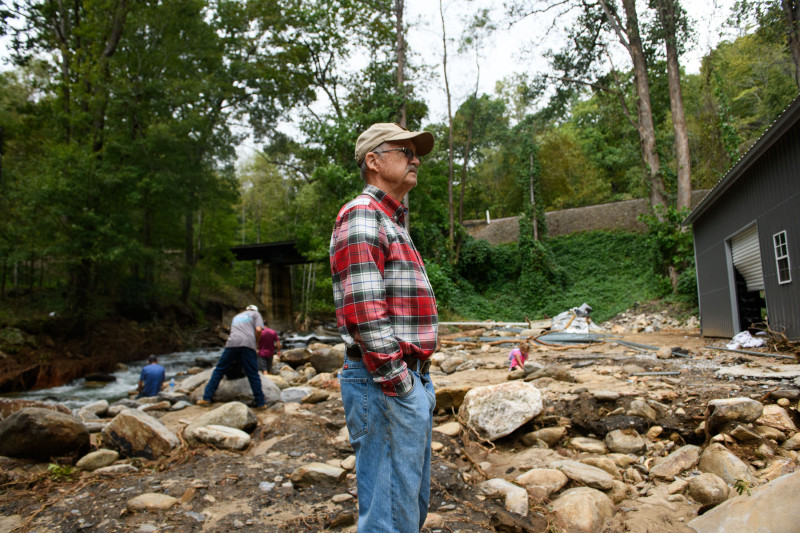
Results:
[633, 322]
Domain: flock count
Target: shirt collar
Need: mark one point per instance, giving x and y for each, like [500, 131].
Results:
[387, 204]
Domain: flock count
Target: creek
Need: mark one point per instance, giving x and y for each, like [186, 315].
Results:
[80, 392]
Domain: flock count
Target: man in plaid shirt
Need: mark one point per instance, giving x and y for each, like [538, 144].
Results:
[386, 314]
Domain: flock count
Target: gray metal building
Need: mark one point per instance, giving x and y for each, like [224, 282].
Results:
[747, 237]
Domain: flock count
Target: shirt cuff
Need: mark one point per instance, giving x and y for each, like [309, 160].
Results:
[400, 385]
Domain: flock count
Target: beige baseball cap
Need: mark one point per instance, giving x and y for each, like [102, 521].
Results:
[389, 131]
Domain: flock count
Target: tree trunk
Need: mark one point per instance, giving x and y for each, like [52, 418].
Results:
[189, 258]
[401, 80]
[535, 220]
[666, 12]
[647, 131]
[450, 131]
[791, 15]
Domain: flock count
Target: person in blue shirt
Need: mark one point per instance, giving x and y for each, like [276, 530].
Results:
[151, 378]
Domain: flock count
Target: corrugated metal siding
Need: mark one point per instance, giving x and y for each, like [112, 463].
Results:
[768, 194]
[746, 254]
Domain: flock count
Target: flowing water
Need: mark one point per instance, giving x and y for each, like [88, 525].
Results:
[78, 393]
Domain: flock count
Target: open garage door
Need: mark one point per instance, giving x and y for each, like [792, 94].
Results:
[746, 255]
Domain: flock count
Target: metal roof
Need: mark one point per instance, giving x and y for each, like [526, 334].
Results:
[784, 122]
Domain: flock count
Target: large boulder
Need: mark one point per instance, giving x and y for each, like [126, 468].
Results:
[234, 415]
[192, 382]
[495, 411]
[9, 406]
[238, 390]
[326, 358]
[137, 434]
[36, 433]
[296, 357]
[771, 508]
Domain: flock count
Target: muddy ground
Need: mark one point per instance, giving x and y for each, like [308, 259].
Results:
[227, 491]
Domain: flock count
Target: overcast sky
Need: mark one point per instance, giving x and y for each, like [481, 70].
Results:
[516, 49]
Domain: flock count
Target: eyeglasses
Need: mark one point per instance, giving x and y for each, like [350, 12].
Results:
[408, 152]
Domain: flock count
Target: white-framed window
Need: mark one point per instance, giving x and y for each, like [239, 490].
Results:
[782, 257]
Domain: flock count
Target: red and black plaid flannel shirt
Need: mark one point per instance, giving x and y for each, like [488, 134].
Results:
[384, 301]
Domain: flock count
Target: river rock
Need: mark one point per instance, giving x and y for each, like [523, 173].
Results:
[113, 470]
[543, 482]
[9, 406]
[450, 364]
[238, 390]
[717, 459]
[98, 459]
[99, 408]
[708, 489]
[680, 460]
[116, 409]
[792, 443]
[295, 394]
[290, 375]
[135, 433]
[279, 381]
[85, 416]
[318, 474]
[744, 434]
[625, 441]
[151, 502]
[731, 412]
[296, 357]
[588, 475]
[583, 510]
[776, 417]
[497, 410]
[515, 497]
[195, 380]
[550, 436]
[588, 445]
[316, 396]
[641, 408]
[37, 433]
[325, 358]
[323, 380]
[157, 406]
[222, 437]
[234, 415]
[605, 464]
[771, 508]
[451, 397]
[771, 433]
[451, 429]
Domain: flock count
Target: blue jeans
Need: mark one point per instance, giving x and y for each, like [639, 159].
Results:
[248, 357]
[392, 440]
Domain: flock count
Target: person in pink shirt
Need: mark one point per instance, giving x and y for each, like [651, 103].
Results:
[269, 345]
[518, 356]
